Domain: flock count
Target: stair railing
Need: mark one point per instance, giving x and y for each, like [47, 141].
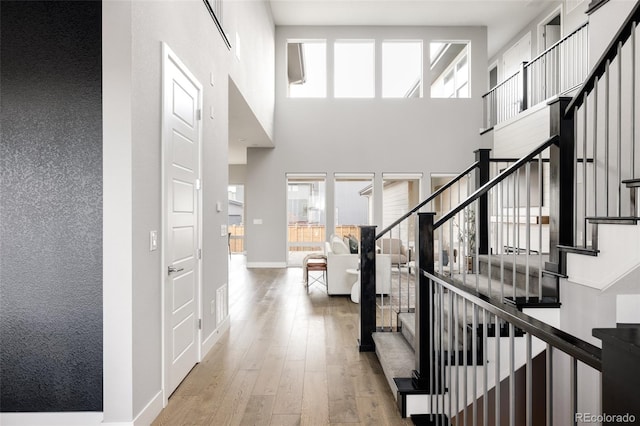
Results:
[605, 154]
[397, 242]
[503, 101]
[465, 324]
[491, 213]
[501, 232]
[559, 69]
[490, 363]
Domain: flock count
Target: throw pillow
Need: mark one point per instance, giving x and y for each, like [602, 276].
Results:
[353, 244]
[338, 246]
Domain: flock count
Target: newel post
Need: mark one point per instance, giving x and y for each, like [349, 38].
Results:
[424, 310]
[367, 288]
[525, 87]
[482, 177]
[620, 378]
[561, 183]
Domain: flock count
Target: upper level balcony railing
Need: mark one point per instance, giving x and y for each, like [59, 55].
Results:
[559, 69]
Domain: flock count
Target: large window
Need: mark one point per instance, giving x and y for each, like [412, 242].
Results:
[402, 69]
[353, 203]
[305, 216]
[354, 69]
[449, 69]
[401, 192]
[307, 69]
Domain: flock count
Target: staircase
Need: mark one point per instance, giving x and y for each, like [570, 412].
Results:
[480, 313]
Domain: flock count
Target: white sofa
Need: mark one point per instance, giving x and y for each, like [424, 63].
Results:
[339, 282]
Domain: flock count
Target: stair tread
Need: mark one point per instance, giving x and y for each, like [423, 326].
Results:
[394, 353]
[588, 251]
[621, 220]
[632, 183]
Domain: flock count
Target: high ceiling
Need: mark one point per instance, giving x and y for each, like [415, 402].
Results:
[503, 18]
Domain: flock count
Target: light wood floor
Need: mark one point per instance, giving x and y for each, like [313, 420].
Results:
[289, 358]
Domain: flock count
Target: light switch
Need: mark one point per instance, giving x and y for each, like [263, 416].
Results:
[153, 240]
[218, 206]
[223, 230]
[257, 221]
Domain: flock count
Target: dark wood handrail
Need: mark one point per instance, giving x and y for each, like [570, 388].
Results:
[493, 89]
[496, 180]
[579, 349]
[609, 54]
[557, 43]
[218, 24]
[431, 197]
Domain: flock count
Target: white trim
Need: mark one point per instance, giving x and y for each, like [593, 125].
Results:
[305, 175]
[117, 143]
[256, 265]
[354, 176]
[169, 56]
[213, 338]
[401, 176]
[522, 115]
[542, 23]
[150, 411]
[493, 65]
[52, 419]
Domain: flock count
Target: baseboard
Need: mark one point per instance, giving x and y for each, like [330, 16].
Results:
[266, 265]
[213, 338]
[150, 412]
[52, 419]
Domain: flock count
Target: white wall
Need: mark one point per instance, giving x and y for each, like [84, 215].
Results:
[237, 174]
[133, 316]
[571, 20]
[358, 135]
[604, 22]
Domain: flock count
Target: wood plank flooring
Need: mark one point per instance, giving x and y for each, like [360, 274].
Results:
[289, 358]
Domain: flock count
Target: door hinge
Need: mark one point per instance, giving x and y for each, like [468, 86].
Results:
[198, 185]
[200, 324]
[199, 114]
[200, 254]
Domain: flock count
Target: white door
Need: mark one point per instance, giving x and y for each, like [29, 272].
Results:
[517, 54]
[181, 151]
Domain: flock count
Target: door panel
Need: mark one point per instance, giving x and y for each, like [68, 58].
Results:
[183, 201]
[183, 152]
[181, 126]
[183, 243]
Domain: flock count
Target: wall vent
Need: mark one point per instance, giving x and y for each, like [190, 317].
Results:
[222, 303]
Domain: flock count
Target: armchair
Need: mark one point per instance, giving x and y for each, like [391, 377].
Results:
[339, 259]
[397, 251]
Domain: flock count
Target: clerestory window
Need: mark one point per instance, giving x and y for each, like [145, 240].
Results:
[307, 69]
[450, 69]
[401, 69]
[354, 69]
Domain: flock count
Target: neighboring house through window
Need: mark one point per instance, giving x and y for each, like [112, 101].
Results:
[449, 69]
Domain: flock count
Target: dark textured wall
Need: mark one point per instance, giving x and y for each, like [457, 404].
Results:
[50, 206]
